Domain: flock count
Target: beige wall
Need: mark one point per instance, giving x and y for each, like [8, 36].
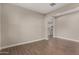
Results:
[21, 25]
[0, 25]
[66, 26]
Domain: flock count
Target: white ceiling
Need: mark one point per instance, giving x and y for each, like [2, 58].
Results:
[41, 7]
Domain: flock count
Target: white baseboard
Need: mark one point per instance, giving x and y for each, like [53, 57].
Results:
[67, 39]
[17, 44]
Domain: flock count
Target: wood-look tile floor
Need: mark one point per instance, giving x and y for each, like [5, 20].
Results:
[53, 46]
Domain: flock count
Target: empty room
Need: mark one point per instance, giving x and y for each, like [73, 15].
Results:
[39, 28]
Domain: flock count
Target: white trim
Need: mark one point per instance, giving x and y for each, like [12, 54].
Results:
[46, 38]
[67, 12]
[17, 44]
[67, 39]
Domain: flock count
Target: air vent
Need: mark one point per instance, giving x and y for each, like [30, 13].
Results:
[52, 4]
